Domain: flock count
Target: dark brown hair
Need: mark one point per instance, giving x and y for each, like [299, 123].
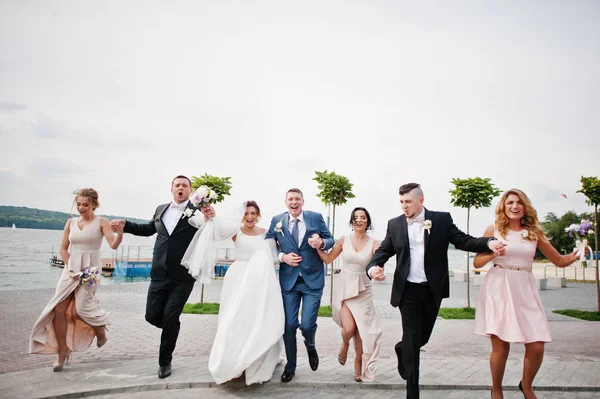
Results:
[181, 177]
[254, 205]
[360, 208]
[408, 187]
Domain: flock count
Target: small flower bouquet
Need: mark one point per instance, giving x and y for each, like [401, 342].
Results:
[581, 232]
[203, 196]
[90, 276]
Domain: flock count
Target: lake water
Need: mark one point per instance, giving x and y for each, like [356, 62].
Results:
[25, 254]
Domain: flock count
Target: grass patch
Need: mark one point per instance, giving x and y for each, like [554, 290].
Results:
[457, 313]
[579, 314]
[325, 311]
[201, 308]
[572, 280]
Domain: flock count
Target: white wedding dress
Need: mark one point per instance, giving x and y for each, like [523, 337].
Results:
[251, 319]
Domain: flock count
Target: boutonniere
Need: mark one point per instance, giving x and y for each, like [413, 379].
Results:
[188, 212]
[278, 227]
[524, 233]
[427, 225]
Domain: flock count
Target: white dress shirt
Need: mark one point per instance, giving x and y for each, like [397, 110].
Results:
[416, 241]
[301, 231]
[172, 215]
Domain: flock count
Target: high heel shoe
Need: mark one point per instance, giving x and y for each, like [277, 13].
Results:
[342, 359]
[101, 342]
[357, 376]
[58, 366]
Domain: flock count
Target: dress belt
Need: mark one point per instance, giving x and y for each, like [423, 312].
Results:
[519, 269]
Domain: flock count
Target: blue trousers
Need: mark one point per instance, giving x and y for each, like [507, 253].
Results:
[311, 301]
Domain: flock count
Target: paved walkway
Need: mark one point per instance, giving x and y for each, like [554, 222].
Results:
[454, 363]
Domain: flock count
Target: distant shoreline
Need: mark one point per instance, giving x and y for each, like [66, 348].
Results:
[34, 218]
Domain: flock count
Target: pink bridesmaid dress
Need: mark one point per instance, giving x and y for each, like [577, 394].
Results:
[354, 288]
[84, 252]
[509, 304]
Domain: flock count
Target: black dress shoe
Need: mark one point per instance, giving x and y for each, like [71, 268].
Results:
[401, 371]
[164, 371]
[287, 377]
[313, 359]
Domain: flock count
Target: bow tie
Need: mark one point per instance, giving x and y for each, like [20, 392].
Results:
[180, 207]
[418, 219]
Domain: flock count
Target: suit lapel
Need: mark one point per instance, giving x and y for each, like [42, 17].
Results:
[285, 227]
[427, 233]
[161, 212]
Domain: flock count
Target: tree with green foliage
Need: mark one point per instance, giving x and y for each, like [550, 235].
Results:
[221, 186]
[334, 190]
[590, 187]
[475, 192]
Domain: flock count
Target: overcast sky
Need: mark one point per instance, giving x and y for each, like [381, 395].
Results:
[122, 96]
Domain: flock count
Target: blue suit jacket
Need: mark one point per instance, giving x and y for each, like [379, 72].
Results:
[311, 267]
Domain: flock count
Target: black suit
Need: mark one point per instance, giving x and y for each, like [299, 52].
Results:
[420, 303]
[171, 284]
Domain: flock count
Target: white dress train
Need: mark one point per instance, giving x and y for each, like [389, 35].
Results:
[251, 319]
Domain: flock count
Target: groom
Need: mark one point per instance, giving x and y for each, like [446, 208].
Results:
[170, 282]
[301, 274]
[419, 238]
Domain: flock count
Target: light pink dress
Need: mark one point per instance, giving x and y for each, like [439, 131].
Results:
[84, 252]
[354, 288]
[509, 304]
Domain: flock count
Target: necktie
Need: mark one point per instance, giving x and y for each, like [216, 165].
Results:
[295, 231]
[418, 219]
[180, 207]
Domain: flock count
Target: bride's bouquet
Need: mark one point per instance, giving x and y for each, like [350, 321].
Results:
[203, 196]
[581, 232]
[200, 256]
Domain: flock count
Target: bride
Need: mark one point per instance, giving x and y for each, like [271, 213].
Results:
[251, 319]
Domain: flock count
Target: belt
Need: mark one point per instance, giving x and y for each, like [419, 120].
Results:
[519, 269]
[423, 283]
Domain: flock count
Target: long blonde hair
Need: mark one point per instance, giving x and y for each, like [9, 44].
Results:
[530, 222]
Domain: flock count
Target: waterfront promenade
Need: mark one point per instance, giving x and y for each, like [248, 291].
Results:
[454, 363]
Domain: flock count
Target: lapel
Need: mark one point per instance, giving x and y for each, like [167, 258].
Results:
[285, 229]
[404, 232]
[426, 232]
[161, 211]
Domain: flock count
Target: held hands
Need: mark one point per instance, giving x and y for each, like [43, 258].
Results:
[497, 247]
[315, 241]
[377, 273]
[117, 225]
[292, 259]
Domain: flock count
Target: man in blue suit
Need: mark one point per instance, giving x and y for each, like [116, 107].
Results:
[301, 274]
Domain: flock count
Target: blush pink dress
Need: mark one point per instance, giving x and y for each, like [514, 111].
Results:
[354, 288]
[509, 304]
[84, 251]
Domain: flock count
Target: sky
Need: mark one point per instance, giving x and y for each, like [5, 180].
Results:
[123, 96]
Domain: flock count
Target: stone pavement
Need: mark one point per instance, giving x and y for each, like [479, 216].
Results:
[454, 363]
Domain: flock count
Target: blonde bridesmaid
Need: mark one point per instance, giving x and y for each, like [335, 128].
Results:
[73, 317]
